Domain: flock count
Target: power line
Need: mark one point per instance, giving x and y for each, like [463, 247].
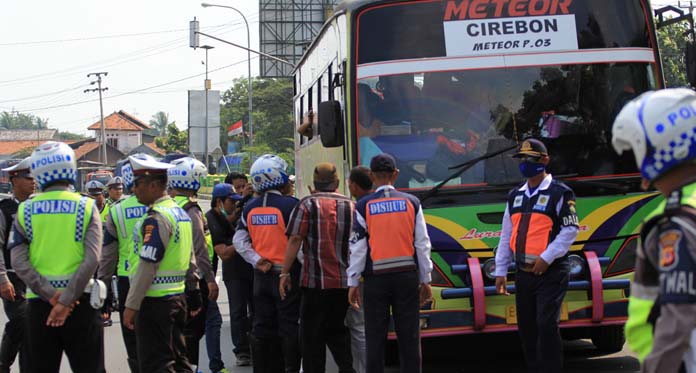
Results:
[113, 36]
[44, 95]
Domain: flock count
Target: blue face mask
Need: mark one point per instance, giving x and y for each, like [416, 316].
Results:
[529, 169]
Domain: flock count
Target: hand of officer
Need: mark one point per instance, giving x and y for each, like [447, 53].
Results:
[264, 265]
[213, 291]
[540, 267]
[7, 291]
[54, 299]
[354, 297]
[426, 294]
[59, 313]
[501, 285]
[129, 318]
[284, 286]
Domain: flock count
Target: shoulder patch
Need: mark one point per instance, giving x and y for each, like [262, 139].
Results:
[668, 243]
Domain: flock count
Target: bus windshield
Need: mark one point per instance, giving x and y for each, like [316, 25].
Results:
[443, 82]
[436, 120]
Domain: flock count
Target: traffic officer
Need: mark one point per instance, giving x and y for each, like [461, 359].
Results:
[12, 289]
[95, 190]
[539, 225]
[117, 254]
[390, 249]
[115, 189]
[55, 245]
[156, 305]
[184, 182]
[260, 239]
[660, 129]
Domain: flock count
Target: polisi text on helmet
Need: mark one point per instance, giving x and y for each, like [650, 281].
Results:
[51, 159]
[682, 113]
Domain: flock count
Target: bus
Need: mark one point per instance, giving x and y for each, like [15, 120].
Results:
[450, 88]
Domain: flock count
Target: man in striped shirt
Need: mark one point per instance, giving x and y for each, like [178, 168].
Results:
[321, 223]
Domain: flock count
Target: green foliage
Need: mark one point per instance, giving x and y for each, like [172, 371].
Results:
[159, 123]
[69, 136]
[14, 120]
[175, 141]
[272, 116]
[672, 42]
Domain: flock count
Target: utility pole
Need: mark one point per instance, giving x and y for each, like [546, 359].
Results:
[99, 89]
[207, 85]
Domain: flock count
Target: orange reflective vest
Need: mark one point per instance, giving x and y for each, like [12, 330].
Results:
[536, 220]
[390, 217]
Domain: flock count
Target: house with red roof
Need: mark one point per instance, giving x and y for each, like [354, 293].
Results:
[123, 131]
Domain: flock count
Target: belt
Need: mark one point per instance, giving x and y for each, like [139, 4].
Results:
[526, 267]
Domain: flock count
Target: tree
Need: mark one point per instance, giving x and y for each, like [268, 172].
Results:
[69, 136]
[672, 42]
[15, 120]
[272, 117]
[175, 141]
[160, 122]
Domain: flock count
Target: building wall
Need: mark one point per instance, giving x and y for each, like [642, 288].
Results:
[125, 141]
[112, 155]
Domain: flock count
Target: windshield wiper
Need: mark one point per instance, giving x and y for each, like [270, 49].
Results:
[463, 168]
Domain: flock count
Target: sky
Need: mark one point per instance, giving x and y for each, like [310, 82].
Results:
[47, 48]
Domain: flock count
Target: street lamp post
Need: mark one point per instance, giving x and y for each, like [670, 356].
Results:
[251, 107]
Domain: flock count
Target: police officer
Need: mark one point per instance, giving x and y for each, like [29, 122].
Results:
[115, 189]
[539, 225]
[156, 305]
[55, 244]
[12, 289]
[184, 182]
[660, 129]
[390, 249]
[95, 190]
[117, 254]
[260, 239]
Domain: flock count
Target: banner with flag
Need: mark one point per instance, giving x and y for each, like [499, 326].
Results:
[235, 129]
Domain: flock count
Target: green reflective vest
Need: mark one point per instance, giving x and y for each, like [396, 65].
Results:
[182, 201]
[170, 278]
[125, 214]
[55, 224]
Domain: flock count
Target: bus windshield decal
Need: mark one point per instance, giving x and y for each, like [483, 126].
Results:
[479, 9]
[617, 55]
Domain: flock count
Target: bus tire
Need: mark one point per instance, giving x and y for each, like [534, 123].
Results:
[391, 353]
[609, 338]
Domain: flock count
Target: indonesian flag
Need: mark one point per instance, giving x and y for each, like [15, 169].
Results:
[235, 129]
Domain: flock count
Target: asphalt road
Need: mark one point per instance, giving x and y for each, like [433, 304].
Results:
[480, 353]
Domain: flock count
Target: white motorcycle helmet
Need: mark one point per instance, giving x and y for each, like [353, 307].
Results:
[53, 161]
[127, 169]
[660, 128]
[269, 171]
[186, 174]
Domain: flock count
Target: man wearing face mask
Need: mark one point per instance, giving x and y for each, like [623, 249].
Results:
[539, 225]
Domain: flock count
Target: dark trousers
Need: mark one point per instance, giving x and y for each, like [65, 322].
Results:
[275, 322]
[128, 335]
[81, 338]
[240, 296]
[539, 300]
[398, 291]
[13, 335]
[195, 326]
[159, 329]
[322, 324]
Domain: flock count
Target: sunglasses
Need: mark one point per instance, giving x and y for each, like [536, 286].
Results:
[528, 158]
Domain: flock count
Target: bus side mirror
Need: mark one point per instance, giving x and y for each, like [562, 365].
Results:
[331, 124]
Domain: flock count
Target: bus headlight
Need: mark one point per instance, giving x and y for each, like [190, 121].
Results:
[489, 269]
[577, 266]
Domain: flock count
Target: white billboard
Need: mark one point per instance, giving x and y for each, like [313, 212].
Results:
[197, 122]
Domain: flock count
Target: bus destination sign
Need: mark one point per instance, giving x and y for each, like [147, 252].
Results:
[486, 27]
